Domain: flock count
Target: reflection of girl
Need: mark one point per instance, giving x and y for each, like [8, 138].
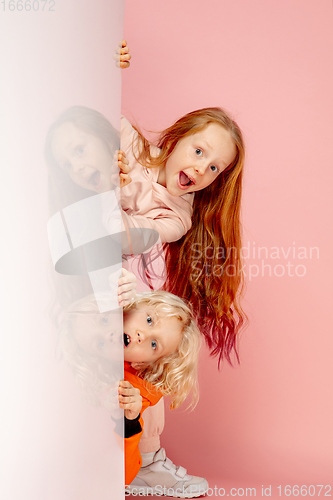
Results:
[79, 152]
[88, 339]
[161, 345]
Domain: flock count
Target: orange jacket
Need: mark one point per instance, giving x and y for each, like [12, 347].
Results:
[150, 396]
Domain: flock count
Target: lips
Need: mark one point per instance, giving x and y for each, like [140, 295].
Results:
[184, 180]
[95, 178]
[127, 340]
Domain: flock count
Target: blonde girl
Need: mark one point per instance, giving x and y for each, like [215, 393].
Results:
[161, 344]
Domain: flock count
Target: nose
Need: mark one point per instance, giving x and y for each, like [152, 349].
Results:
[201, 168]
[77, 165]
[140, 337]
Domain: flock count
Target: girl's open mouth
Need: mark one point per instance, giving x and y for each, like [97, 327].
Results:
[184, 180]
[95, 178]
[127, 340]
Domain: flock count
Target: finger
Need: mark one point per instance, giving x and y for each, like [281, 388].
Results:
[133, 405]
[126, 276]
[123, 161]
[125, 168]
[121, 155]
[125, 406]
[123, 183]
[129, 406]
[125, 57]
[126, 395]
[128, 287]
[121, 46]
[125, 399]
[128, 294]
[128, 280]
[126, 297]
[129, 392]
[125, 383]
[125, 178]
[124, 64]
[124, 50]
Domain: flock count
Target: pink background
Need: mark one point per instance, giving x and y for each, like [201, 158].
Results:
[269, 63]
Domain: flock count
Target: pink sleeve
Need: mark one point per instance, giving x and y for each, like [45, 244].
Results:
[168, 225]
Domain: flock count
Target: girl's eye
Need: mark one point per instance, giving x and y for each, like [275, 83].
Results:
[79, 150]
[101, 344]
[154, 344]
[149, 320]
[105, 320]
[198, 152]
[214, 169]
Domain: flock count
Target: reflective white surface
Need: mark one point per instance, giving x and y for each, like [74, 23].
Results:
[54, 443]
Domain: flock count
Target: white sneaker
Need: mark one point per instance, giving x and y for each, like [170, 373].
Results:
[162, 477]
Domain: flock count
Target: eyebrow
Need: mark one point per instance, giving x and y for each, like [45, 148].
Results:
[222, 162]
[208, 145]
[161, 344]
[219, 161]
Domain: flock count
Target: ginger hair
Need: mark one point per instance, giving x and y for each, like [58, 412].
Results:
[205, 265]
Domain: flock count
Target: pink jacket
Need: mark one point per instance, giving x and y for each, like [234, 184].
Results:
[148, 204]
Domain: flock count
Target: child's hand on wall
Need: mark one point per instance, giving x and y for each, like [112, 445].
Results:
[130, 399]
[126, 288]
[124, 167]
[122, 55]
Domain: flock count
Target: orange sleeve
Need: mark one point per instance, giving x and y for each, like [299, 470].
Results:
[150, 396]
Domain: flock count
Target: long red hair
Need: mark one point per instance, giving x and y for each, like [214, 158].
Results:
[204, 266]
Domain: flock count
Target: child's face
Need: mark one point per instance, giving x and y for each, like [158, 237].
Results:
[83, 156]
[148, 337]
[96, 333]
[198, 160]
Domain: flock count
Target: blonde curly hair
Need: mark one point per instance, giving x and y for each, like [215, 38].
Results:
[174, 375]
